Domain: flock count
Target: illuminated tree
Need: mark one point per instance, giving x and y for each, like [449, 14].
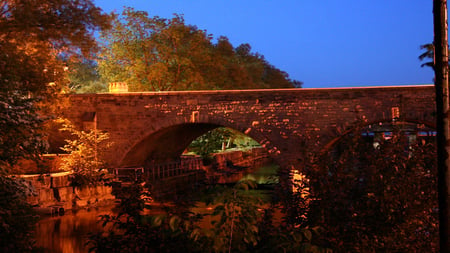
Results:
[166, 54]
[153, 53]
[34, 35]
[85, 155]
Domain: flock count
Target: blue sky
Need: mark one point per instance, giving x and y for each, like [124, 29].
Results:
[329, 43]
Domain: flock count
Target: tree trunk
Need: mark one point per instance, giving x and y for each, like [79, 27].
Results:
[442, 118]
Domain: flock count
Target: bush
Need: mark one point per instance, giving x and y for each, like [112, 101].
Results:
[85, 155]
[376, 199]
[17, 219]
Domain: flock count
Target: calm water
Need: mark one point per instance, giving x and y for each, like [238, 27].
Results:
[68, 233]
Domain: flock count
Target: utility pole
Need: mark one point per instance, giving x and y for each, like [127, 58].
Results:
[442, 118]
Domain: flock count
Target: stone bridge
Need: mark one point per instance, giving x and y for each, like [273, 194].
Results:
[158, 126]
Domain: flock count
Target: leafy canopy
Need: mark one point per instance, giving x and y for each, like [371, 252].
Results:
[376, 199]
[34, 35]
[155, 54]
[85, 155]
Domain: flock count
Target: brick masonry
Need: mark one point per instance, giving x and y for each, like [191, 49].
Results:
[158, 126]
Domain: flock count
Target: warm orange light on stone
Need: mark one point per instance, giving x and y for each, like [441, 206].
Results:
[160, 125]
[118, 87]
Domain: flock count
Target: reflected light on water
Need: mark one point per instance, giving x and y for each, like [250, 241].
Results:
[68, 233]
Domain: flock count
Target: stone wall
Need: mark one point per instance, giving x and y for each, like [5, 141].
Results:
[53, 192]
[50, 163]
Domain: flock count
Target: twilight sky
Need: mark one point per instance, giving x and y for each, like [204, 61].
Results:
[329, 43]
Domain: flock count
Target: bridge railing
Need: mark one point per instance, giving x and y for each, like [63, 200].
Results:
[172, 169]
[159, 171]
[128, 174]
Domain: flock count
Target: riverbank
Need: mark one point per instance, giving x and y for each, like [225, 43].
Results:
[69, 233]
[53, 194]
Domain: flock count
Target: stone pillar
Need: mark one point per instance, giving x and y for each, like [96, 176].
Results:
[118, 87]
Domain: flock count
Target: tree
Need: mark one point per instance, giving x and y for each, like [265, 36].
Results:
[441, 70]
[153, 53]
[210, 143]
[218, 138]
[85, 155]
[16, 216]
[83, 77]
[427, 55]
[32, 35]
[376, 199]
[166, 54]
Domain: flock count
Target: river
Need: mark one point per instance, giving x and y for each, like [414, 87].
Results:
[68, 233]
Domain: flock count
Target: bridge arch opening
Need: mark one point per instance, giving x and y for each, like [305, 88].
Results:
[165, 144]
[173, 144]
[169, 143]
[231, 156]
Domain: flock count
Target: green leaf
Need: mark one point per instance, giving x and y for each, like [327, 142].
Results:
[297, 237]
[174, 222]
[307, 233]
[157, 220]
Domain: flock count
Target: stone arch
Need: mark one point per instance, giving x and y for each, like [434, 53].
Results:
[334, 141]
[174, 135]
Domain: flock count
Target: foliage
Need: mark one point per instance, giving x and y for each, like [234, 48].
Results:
[376, 200]
[61, 24]
[32, 35]
[22, 89]
[287, 237]
[218, 138]
[428, 54]
[154, 54]
[93, 87]
[83, 77]
[85, 155]
[210, 142]
[133, 231]
[238, 224]
[16, 216]
[36, 35]
[19, 136]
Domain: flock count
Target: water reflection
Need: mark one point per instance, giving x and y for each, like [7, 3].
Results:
[68, 233]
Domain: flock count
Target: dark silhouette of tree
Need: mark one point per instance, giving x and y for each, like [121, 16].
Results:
[427, 55]
[380, 199]
[441, 79]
